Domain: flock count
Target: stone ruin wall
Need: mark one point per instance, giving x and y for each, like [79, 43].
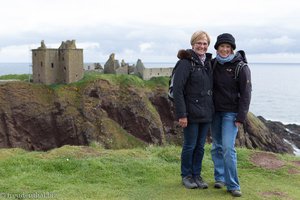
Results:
[112, 66]
[62, 65]
[148, 73]
[74, 65]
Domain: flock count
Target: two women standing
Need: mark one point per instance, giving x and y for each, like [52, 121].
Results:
[194, 104]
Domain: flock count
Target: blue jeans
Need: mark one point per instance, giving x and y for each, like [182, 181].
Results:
[224, 132]
[193, 148]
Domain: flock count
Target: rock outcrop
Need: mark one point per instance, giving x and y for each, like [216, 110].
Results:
[37, 117]
[289, 132]
[116, 113]
[257, 135]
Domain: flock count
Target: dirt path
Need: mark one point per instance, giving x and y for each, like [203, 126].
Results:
[270, 161]
[266, 160]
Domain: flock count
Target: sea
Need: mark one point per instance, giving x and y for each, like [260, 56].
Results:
[275, 88]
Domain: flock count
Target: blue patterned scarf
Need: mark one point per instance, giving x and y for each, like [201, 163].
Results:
[222, 60]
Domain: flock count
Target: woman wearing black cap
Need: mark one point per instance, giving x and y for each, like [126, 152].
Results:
[231, 94]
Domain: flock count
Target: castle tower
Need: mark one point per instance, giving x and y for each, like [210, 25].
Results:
[71, 61]
[44, 64]
[63, 65]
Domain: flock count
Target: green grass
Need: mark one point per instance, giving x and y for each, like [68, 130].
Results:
[158, 81]
[89, 77]
[152, 172]
[113, 78]
[118, 79]
[21, 77]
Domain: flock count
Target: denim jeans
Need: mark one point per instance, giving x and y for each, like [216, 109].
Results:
[224, 132]
[193, 148]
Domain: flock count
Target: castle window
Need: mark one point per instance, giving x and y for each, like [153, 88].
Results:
[63, 58]
[52, 65]
[41, 64]
[65, 68]
[34, 54]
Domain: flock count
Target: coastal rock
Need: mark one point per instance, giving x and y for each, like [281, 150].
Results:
[36, 117]
[33, 120]
[289, 132]
[257, 135]
[119, 113]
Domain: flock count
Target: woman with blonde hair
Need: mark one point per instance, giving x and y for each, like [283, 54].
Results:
[193, 101]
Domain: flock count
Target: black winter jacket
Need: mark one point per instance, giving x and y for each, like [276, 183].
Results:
[193, 88]
[232, 95]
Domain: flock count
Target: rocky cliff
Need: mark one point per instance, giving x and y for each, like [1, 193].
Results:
[115, 111]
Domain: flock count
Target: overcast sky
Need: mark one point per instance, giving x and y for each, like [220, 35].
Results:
[152, 30]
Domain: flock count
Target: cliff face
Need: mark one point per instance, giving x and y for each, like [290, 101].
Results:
[113, 114]
[37, 117]
[33, 118]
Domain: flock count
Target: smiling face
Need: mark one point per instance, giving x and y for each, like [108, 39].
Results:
[200, 46]
[224, 50]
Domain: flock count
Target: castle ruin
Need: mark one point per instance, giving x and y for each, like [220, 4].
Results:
[62, 65]
[112, 66]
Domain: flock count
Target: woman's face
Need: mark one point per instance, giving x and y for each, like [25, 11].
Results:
[224, 50]
[200, 47]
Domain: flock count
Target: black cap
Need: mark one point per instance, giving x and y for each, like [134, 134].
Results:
[225, 38]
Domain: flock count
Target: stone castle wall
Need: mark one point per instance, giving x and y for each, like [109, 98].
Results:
[45, 65]
[73, 59]
[62, 65]
[148, 73]
[112, 66]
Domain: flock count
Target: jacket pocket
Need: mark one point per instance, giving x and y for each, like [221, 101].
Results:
[195, 107]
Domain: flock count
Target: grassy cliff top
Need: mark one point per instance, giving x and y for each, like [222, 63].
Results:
[120, 79]
[77, 172]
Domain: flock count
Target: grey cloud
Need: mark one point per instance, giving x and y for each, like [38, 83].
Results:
[165, 40]
[267, 39]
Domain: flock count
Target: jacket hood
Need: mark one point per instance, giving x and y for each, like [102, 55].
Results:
[240, 56]
[190, 54]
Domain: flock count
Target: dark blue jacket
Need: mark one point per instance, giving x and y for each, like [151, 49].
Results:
[232, 95]
[193, 88]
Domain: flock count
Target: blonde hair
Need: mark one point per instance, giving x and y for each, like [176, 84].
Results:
[198, 35]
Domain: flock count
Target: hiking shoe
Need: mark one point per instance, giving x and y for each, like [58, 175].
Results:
[189, 182]
[235, 193]
[199, 181]
[219, 184]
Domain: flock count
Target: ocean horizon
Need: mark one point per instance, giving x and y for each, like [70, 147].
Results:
[275, 92]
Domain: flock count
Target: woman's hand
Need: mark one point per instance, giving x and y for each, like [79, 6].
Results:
[238, 124]
[183, 122]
